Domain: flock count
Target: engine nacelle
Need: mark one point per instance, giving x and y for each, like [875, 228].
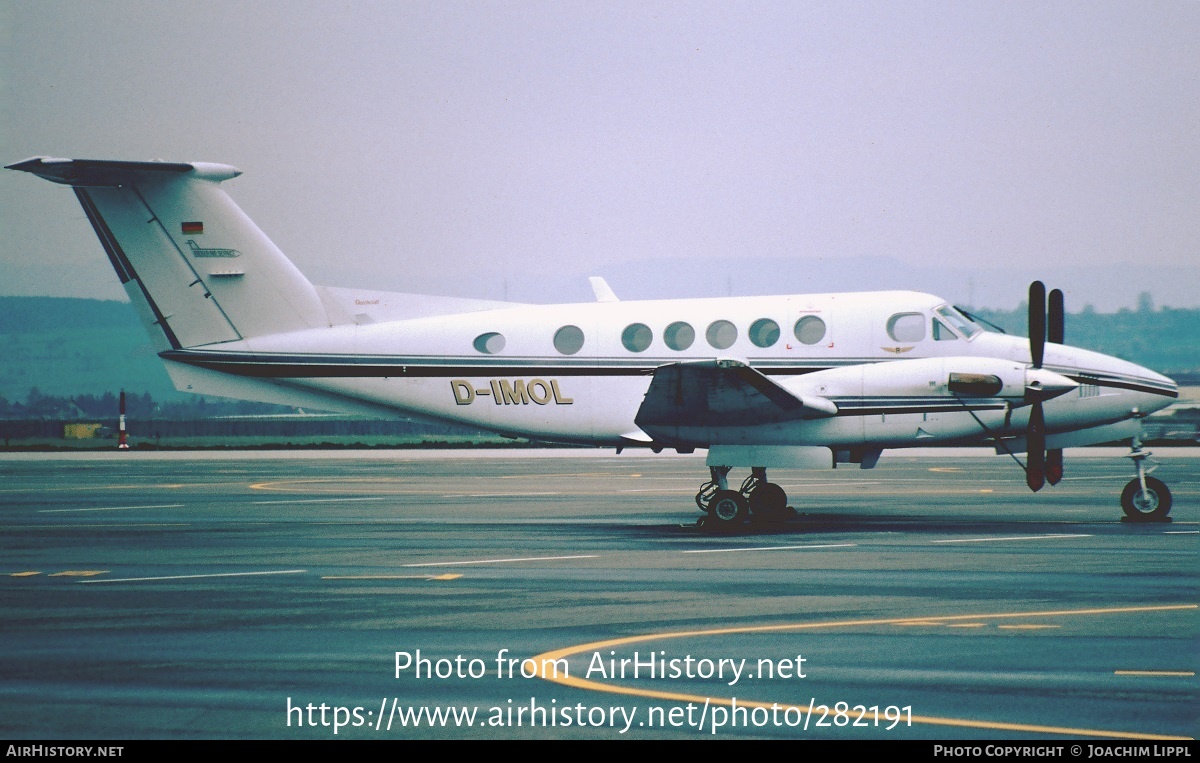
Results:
[952, 377]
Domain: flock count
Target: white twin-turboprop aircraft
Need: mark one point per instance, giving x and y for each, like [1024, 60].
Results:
[803, 380]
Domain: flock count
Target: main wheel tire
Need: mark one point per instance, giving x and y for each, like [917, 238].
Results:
[726, 510]
[768, 502]
[1152, 503]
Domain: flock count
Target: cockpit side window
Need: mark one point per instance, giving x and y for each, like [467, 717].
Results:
[906, 327]
[941, 333]
[958, 321]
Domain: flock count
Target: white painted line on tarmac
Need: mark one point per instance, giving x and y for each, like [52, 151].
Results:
[766, 548]
[447, 576]
[1181, 532]
[323, 500]
[494, 495]
[502, 561]
[193, 577]
[1025, 537]
[105, 525]
[114, 508]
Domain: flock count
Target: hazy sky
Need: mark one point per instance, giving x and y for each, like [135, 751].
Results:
[471, 148]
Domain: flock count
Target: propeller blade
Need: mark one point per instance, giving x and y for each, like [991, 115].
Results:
[1037, 322]
[1056, 319]
[1035, 467]
[1054, 466]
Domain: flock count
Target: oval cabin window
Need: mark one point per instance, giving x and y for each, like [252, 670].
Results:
[810, 329]
[764, 332]
[679, 335]
[489, 343]
[568, 340]
[637, 337]
[721, 334]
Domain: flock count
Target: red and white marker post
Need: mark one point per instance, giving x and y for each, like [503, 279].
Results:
[121, 443]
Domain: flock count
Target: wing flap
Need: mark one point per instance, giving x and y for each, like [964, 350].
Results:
[720, 393]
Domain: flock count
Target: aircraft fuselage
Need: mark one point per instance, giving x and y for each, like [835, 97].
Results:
[442, 367]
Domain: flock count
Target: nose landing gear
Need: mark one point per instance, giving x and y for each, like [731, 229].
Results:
[1145, 499]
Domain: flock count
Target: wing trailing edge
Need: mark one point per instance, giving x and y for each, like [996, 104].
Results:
[719, 393]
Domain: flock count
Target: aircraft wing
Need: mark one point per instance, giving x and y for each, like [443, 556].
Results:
[720, 393]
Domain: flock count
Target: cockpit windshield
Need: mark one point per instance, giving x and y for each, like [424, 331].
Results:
[958, 321]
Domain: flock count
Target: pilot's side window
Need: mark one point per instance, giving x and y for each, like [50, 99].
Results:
[941, 333]
[679, 335]
[568, 340]
[721, 334]
[637, 337]
[764, 332]
[906, 327]
[810, 329]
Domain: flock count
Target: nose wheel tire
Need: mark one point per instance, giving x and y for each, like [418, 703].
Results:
[726, 510]
[1153, 503]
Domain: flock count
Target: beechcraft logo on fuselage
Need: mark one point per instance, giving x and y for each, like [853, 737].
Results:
[511, 392]
[198, 252]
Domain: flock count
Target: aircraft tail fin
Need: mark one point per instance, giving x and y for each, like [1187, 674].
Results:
[196, 267]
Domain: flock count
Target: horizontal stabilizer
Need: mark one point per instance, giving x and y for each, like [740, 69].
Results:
[104, 172]
[719, 393]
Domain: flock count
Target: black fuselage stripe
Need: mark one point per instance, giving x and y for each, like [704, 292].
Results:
[383, 365]
[1133, 386]
[286, 370]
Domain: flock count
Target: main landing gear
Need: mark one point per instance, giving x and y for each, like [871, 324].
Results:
[726, 509]
[1145, 499]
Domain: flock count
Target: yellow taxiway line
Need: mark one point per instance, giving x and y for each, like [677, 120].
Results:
[550, 658]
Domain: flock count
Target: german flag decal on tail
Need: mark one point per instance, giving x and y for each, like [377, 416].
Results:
[192, 229]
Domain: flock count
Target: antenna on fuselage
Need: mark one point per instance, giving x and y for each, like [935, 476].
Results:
[602, 290]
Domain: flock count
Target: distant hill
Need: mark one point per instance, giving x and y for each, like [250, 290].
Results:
[63, 346]
[68, 347]
[1166, 340]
